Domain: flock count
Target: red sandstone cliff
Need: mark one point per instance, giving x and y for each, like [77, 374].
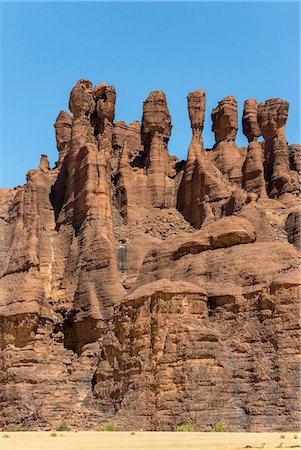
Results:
[148, 291]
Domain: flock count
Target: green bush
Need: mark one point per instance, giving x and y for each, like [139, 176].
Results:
[219, 427]
[53, 435]
[16, 427]
[110, 426]
[185, 427]
[63, 426]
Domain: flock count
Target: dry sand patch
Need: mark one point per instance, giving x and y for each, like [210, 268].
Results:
[93, 440]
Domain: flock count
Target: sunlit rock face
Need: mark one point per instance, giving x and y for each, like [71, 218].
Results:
[148, 291]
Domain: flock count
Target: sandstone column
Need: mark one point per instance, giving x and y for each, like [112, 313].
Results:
[272, 118]
[225, 126]
[201, 178]
[156, 129]
[63, 129]
[253, 171]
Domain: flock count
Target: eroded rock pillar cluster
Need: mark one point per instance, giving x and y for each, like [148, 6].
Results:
[202, 188]
[82, 199]
[126, 295]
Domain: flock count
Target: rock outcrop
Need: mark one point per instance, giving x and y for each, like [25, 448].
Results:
[202, 187]
[226, 155]
[148, 291]
[156, 129]
[253, 169]
[63, 128]
[272, 118]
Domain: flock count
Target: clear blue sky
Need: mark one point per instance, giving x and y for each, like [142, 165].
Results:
[245, 49]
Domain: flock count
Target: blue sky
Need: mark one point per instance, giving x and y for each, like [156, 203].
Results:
[245, 49]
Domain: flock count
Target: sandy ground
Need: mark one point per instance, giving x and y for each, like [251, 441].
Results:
[88, 440]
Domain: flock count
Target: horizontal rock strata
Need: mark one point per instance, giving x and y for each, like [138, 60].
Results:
[148, 291]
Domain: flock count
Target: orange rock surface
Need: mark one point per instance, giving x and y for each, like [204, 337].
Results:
[148, 291]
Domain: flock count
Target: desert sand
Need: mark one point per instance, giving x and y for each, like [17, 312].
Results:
[86, 440]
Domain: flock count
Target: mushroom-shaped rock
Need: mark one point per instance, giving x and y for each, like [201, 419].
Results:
[225, 125]
[81, 100]
[225, 120]
[196, 110]
[272, 117]
[156, 117]
[250, 124]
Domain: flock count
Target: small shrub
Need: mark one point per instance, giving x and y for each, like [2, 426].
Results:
[295, 436]
[63, 426]
[53, 435]
[207, 430]
[5, 435]
[16, 427]
[282, 436]
[110, 426]
[132, 433]
[185, 427]
[219, 427]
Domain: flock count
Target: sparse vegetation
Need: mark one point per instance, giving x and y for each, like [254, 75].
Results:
[295, 436]
[132, 433]
[110, 426]
[63, 426]
[219, 427]
[185, 427]
[282, 436]
[6, 436]
[53, 435]
[16, 427]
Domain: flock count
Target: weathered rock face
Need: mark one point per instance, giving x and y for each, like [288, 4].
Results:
[293, 228]
[182, 337]
[148, 291]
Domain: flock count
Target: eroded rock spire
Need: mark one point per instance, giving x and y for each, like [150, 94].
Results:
[201, 178]
[253, 169]
[272, 119]
[142, 309]
[156, 129]
[225, 125]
